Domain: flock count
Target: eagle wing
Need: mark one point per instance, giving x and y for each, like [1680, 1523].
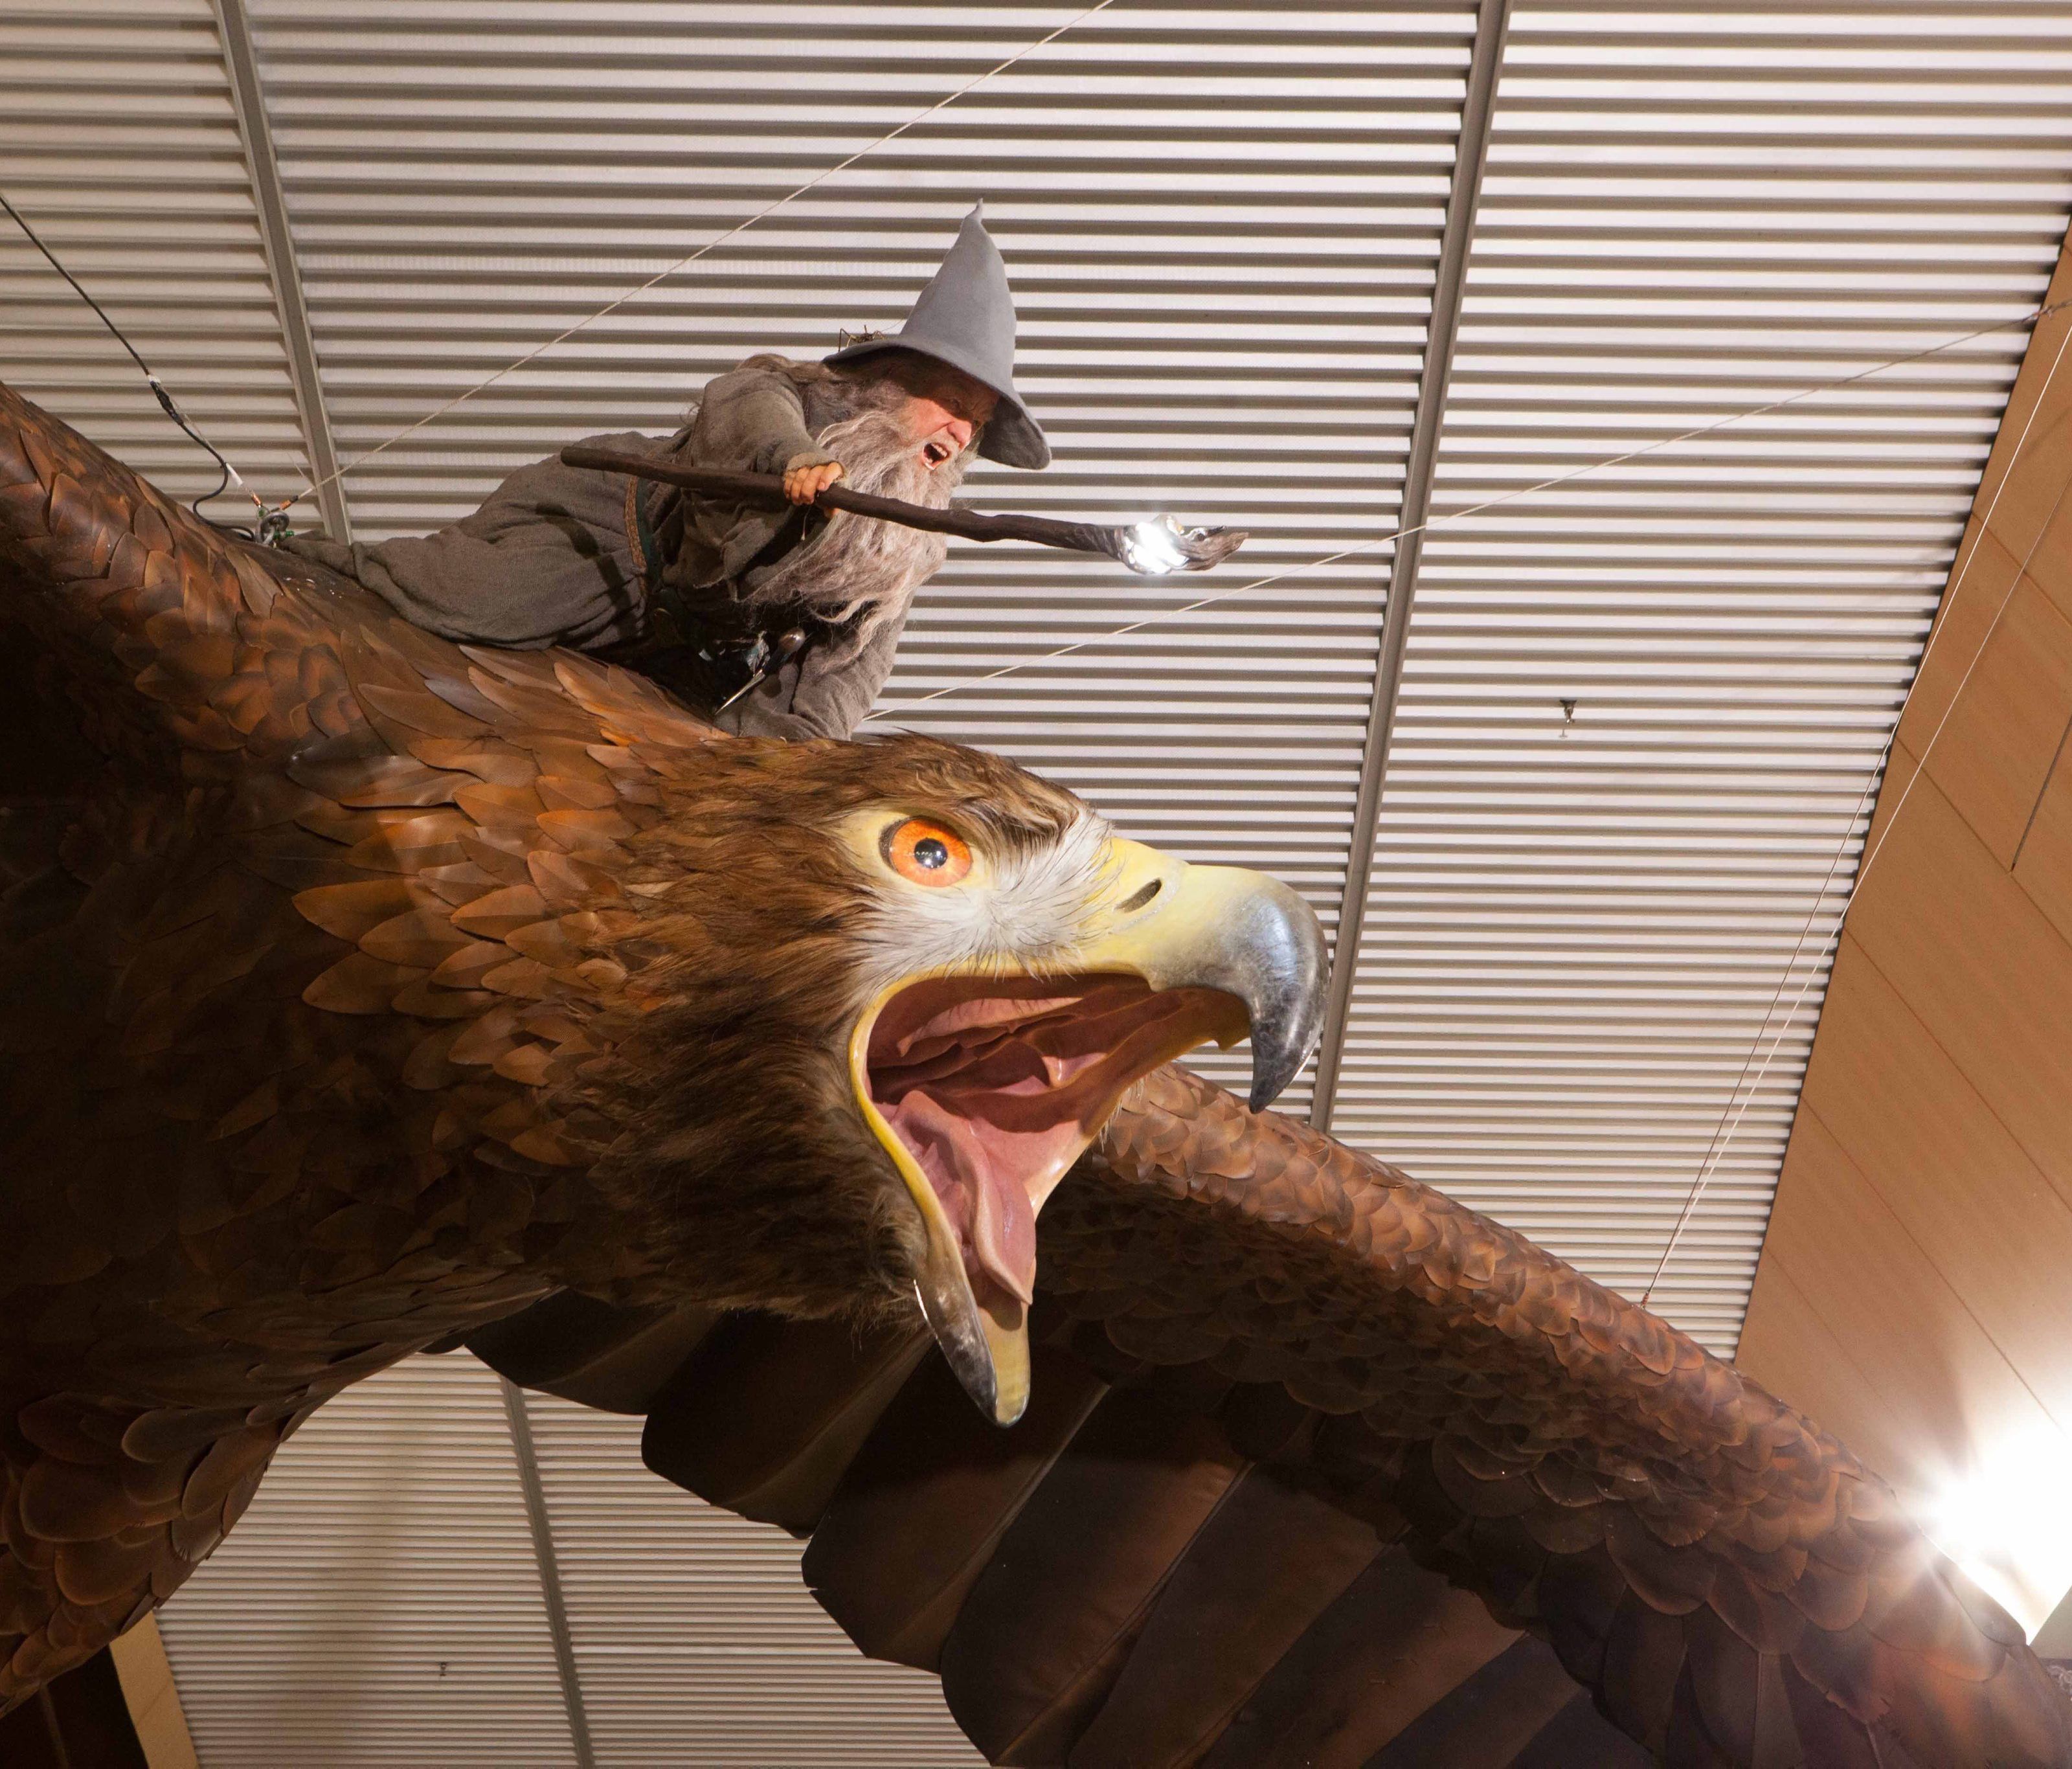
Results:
[1291, 1409]
[210, 1050]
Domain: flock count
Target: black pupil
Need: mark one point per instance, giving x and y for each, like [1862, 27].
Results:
[931, 853]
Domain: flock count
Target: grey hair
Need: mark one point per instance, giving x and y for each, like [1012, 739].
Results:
[857, 568]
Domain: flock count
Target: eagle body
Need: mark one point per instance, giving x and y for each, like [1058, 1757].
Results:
[357, 991]
[360, 992]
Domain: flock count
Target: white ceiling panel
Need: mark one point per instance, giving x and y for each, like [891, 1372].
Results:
[379, 1606]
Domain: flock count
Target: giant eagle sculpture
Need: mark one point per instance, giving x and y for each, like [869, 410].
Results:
[362, 993]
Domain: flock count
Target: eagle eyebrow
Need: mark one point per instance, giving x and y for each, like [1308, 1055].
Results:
[1019, 833]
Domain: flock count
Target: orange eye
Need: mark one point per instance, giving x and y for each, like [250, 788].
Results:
[925, 852]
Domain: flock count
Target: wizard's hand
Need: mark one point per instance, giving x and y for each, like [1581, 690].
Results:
[807, 475]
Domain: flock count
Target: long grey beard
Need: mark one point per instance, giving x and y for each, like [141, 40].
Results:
[858, 566]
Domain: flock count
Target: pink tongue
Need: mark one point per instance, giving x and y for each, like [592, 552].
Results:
[1003, 1222]
[1004, 1235]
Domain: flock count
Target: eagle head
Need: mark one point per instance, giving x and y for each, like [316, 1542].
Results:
[915, 981]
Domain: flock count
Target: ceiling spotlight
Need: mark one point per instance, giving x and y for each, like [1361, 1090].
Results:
[2007, 1520]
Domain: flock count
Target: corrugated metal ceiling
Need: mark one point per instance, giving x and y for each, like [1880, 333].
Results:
[1576, 929]
[119, 141]
[380, 1605]
[379, 1608]
[1222, 223]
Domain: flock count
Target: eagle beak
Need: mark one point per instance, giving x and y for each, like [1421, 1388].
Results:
[1170, 956]
[1239, 932]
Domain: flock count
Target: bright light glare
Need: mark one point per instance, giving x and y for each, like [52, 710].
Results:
[1152, 545]
[2007, 1520]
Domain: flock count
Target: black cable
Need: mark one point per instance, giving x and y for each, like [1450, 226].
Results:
[151, 381]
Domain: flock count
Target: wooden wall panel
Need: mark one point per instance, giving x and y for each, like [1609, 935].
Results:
[1915, 1290]
[1996, 748]
[1929, 1151]
[2044, 867]
[1966, 949]
[1788, 1342]
[1919, 1362]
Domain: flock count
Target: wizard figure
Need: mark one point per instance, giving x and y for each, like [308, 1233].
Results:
[776, 622]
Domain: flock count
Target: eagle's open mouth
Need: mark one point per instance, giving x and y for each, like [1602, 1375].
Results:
[983, 1086]
[994, 1086]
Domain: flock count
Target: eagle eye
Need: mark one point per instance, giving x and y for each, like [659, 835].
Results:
[925, 852]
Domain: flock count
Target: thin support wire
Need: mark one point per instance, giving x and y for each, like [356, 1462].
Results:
[166, 404]
[2034, 317]
[710, 245]
[1738, 1101]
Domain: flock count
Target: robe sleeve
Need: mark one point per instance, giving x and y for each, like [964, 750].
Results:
[753, 420]
[750, 419]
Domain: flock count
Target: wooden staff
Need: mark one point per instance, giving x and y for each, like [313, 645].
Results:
[1157, 545]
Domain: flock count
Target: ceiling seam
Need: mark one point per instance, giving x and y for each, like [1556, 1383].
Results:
[549, 1568]
[1478, 109]
[234, 25]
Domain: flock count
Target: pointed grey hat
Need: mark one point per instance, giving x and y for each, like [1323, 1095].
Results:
[965, 318]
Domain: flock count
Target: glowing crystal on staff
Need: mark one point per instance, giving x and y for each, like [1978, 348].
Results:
[1153, 545]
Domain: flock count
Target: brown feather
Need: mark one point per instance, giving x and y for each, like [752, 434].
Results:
[615, 1359]
[1492, 1716]
[905, 1536]
[1395, 1641]
[1051, 1622]
[776, 1464]
[1260, 1571]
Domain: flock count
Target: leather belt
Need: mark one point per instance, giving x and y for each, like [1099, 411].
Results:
[734, 663]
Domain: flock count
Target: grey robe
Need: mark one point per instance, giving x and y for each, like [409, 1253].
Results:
[554, 557]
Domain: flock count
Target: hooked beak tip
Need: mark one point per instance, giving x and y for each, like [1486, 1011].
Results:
[988, 1355]
[1280, 967]
[1270, 954]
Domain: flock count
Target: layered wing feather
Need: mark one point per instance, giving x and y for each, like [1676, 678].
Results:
[1291, 1406]
[293, 890]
